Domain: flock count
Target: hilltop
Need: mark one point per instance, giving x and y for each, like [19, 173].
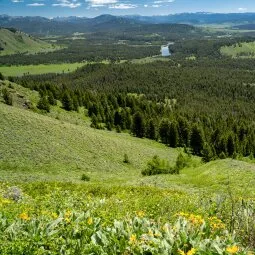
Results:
[13, 41]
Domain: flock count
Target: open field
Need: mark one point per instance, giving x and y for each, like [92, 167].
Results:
[245, 50]
[39, 69]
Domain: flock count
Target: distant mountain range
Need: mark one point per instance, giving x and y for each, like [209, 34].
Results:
[69, 25]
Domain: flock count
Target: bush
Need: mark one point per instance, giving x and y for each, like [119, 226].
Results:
[157, 166]
[85, 178]
[126, 159]
[43, 104]
[7, 97]
[1, 77]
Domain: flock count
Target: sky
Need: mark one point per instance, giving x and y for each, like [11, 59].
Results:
[92, 8]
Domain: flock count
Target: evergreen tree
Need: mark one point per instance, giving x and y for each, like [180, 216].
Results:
[164, 131]
[196, 140]
[44, 104]
[151, 130]
[207, 153]
[173, 135]
[138, 127]
[230, 145]
[51, 98]
[67, 101]
[1, 76]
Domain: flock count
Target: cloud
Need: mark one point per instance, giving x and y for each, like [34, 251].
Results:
[100, 3]
[36, 4]
[68, 3]
[163, 1]
[241, 9]
[17, 1]
[156, 5]
[123, 6]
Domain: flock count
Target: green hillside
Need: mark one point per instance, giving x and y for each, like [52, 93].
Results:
[241, 50]
[13, 41]
[42, 160]
[61, 146]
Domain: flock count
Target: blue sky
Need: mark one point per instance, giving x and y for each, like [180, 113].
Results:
[91, 8]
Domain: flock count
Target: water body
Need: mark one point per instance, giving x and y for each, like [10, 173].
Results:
[165, 52]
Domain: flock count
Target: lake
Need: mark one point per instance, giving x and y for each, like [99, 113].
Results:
[165, 52]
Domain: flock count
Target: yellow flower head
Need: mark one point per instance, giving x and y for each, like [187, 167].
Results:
[233, 249]
[140, 214]
[24, 216]
[181, 252]
[132, 239]
[191, 252]
[54, 215]
[67, 220]
[90, 221]
[68, 214]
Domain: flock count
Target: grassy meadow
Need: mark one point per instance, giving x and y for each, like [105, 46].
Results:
[39, 69]
[46, 207]
[18, 42]
[245, 50]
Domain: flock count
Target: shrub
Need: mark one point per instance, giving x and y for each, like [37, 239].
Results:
[43, 104]
[7, 97]
[1, 77]
[157, 166]
[85, 178]
[126, 159]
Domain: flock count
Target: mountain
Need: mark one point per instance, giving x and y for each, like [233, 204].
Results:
[70, 25]
[67, 25]
[197, 18]
[14, 41]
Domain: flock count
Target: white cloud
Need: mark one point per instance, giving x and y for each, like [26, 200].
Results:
[100, 3]
[68, 3]
[163, 1]
[241, 9]
[17, 1]
[146, 5]
[123, 6]
[36, 4]
[156, 5]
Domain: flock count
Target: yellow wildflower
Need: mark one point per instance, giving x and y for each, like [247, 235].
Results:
[54, 215]
[68, 214]
[24, 216]
[233, 249]
[90, 221]
[67, 220]
[191, 252]
[132, 239]
[181, 252]
[150, 233]
[140, 214]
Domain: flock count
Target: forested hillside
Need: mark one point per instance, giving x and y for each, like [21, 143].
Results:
[209, 110]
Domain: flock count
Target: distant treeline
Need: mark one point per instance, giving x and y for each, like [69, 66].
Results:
[208, 109]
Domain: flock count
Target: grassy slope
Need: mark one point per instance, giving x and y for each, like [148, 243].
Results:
[39, 69]
[61, 146]
[239, 50]
[19, 42]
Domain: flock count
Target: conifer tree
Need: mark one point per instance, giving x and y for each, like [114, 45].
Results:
[138, 127]
[67, 101]
[44, 104]
[196, 140]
